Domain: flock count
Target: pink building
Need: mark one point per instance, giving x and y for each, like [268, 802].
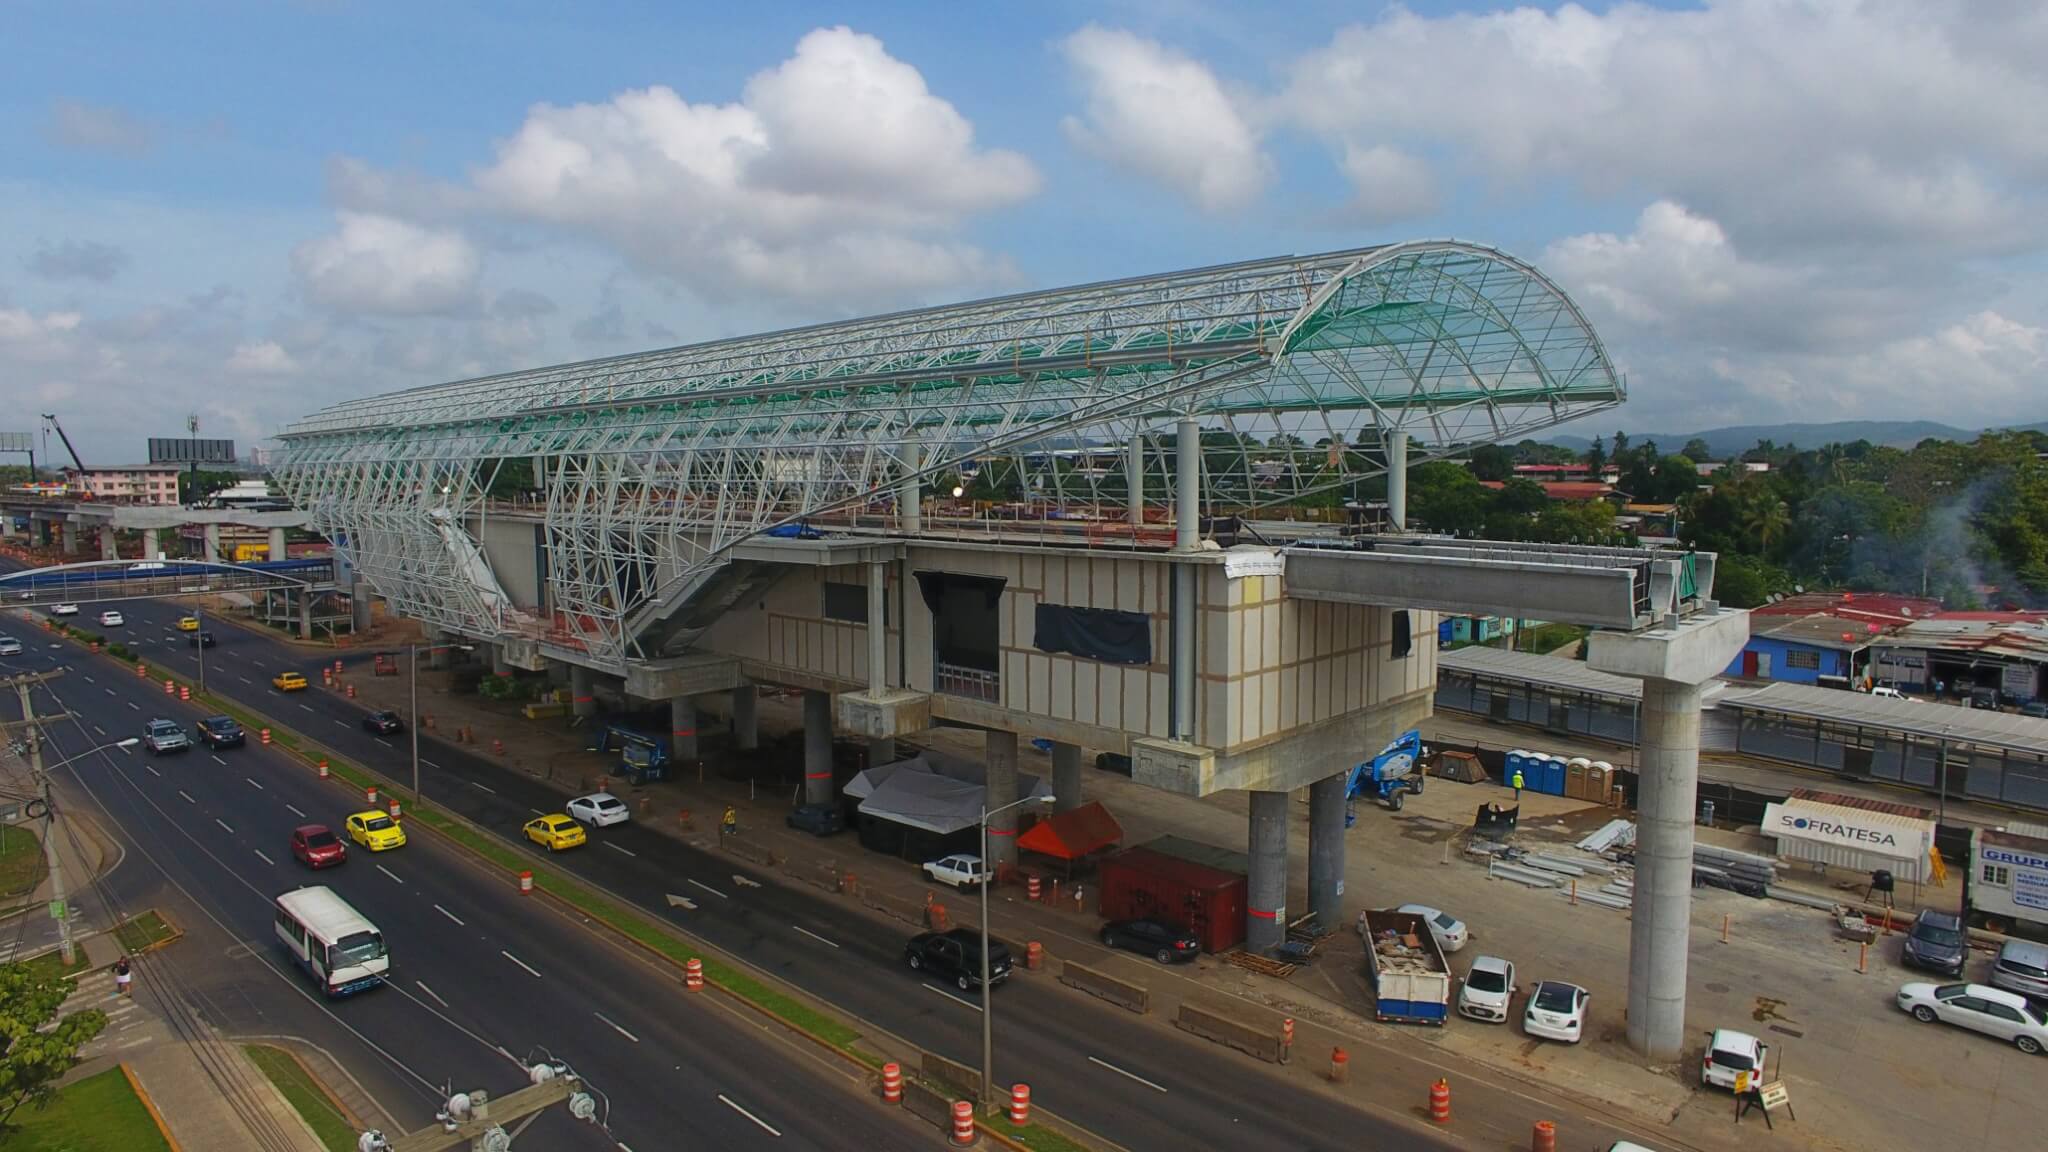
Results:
[136, 484]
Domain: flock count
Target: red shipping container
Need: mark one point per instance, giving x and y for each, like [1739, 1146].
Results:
[1139, 883]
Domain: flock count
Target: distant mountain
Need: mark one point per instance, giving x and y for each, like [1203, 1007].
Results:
[1727, 442]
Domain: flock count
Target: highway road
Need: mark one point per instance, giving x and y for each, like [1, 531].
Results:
[483, 978]
[1142, 1086]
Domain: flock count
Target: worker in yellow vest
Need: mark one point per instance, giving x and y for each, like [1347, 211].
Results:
[1517, 782]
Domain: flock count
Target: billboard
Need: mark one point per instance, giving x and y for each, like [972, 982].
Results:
[17, 442]
[165, 450]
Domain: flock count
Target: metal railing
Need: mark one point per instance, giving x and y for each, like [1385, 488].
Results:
[972, 683]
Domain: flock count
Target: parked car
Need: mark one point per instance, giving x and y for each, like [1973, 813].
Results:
[1556, 1011]
[599, 810]
[556, 832]
[112, 619]
[163, 736]
[2022, 967]
[959, 870]
[817, 819]
[384, 723]
[1163, 940]
[1488, 991]
[1980, 1008]
[1887, 692]
[1987, 698]
[956, 956]
[288, 682]
[1730, 1053]
[200, 640]
[316, 846]
[9, 646]
[376, 831]
[1449, 930]
[222, 732]
[1936, 942]
[2038, 709]
[64, 610]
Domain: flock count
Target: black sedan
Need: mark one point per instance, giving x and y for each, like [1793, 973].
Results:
[384, 723]
[817, 819]
[222, 732]
[200, 640]
[1163, 940]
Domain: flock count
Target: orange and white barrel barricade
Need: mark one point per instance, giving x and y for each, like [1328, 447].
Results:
[184, 693]
[1340, 1065]
[1031, 888]
[526, 883]
[498, 747]
[1034, 955]
[1440, 1101]
[1544, 1138]
[327, 676]
[320, 770]
[369, 794]
[337, 667]
[142, 670]
[351, 691]
[892, 1083]
[392, 807]
[693, 975]
[1020, 1104]
[170, 687]
[963, 1122]
[266, 735]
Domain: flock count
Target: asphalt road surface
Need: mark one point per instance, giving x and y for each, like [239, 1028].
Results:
[482, 979]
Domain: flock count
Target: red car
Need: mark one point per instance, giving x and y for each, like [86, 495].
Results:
[316, 846]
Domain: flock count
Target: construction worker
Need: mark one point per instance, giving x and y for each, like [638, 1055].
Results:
[730, 822]
[1517, 782]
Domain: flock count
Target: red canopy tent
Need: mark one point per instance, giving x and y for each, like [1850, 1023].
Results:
[1074, 834]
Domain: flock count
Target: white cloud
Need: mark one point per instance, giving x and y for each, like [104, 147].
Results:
[78, 260]
[1157, 113]
[95, 128]
[382, 265]
[262, 358]
[839, 176]
[1388, 184]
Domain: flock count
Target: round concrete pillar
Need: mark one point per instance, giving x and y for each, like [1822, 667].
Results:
[1266, 887]
[1660, 926]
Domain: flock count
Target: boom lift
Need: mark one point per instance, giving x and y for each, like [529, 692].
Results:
[1387, 777]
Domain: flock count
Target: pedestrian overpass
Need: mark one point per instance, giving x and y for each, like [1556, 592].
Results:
[101, 581]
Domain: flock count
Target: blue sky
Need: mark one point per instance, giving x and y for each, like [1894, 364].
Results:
[1771, 210]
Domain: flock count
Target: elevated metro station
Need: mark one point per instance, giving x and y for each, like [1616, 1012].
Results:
[1109, 517]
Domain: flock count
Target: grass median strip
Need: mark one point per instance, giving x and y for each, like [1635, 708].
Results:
[100, 1113]
[305, 1096]
[139, 934]
[1036, 1137]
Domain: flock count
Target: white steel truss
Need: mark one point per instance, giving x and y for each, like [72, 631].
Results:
[647, 469]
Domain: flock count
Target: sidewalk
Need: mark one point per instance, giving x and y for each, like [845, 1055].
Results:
[83, 853]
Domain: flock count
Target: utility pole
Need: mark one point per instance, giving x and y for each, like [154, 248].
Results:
[32, 733]
[475, 1121]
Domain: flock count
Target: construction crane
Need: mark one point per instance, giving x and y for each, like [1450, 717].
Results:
[51, 417]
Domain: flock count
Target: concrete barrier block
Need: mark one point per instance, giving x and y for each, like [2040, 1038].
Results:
[954, 1074]
[931, 1106]
[894, 907]
[1103, 986]
[749, 852]
[1261, 1043]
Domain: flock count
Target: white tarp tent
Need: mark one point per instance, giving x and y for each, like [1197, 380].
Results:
[910, 792]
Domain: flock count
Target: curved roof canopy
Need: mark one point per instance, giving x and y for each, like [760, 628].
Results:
[651, 466]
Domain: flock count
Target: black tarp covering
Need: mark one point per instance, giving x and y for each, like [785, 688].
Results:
[965, 628]
[1095, 633]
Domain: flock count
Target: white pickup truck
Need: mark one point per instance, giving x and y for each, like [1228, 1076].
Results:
[958, 871]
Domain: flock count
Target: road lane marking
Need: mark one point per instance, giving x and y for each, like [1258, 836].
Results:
[337, 723]
[435, 996]
[472, 783]
[243, 679]
[134, 705]
[187, 796]
[224, 825]
[450, 915]
[294, 810]
[152, 770]
[221, 762]
[253, 783]
[727, 1101]
[950, 996]
[308, 707]
[521, 963]
[390, 873]
[108, 691]
[262, 857]
[88, 679]
[126, 751]
[710, 889]
[616, 848]
[620, 1031]
[100, 730]
[431, 764]
[814, 936]
[1121, 1072]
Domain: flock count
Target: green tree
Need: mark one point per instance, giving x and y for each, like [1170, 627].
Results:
[1596, 457]
[39, 1047]
[197, 486]
[1696, 450]
[1491, 462]
[1746, 581]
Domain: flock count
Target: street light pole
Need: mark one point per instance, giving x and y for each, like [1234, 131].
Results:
[413, 690]
[988, 1032]
[199, 639]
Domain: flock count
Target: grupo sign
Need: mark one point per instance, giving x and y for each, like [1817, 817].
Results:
[1848, 827]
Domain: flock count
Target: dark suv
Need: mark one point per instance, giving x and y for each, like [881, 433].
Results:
[1937, 942]
[222, 732]
[956, 956]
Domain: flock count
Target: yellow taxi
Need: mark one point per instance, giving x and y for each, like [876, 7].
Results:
[188, 623]
[376, 831]
[288, 682]
[555, 832]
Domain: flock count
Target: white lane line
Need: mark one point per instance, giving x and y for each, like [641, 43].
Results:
[307, 707]
[814, 936]
[338, 723]
[950, 996]
[219, 761]
[253, 783]
[294, 810]
[390, 873]
[152, 770]
[727, 1101]
[108, 691]
[262, 857]
[521, 963]
[88, 679]
[450, 915]
[431, 994]
[134, 705]
[1121, 1072]
[431, 764]
[536, 811]
[243, 679]
[386, 743]
[187, 796]
[126, 751]
[710, 889]
[616, 1028]
[472, 783]
[100, 730]
[224, 825]
[616, 848]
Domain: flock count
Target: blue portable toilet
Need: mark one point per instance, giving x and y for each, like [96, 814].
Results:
[1518, 761]
[1552, 776]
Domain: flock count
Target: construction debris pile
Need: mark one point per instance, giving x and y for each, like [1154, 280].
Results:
[1403, 953]
[1602, 871]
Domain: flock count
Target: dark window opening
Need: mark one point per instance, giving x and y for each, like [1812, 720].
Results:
[1094, 633]
[848, 603]
[1404, 642]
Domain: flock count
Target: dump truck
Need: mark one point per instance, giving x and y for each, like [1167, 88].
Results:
[1411, 983]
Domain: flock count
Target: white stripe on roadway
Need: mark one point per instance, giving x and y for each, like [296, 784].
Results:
[253, 783]
[243, 679]
[262, 857]
[616, 848]
[390, 873]
[432, 994]
[152, 770]
[710, 889]
[108, 691]
[1121, 1072]
[88, 679]
[619, 1030]
[950, 996]
[307, 707]
[521, 963]
[337, 723]
[187, 796]
[450, 915]
[134, 705]
[431, 764]
[294, 810]
[727, 1101]
[219, 761]
[814, 936]
[224, 825]
[472, 783]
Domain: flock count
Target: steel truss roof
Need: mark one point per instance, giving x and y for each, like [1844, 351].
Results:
[650, 467]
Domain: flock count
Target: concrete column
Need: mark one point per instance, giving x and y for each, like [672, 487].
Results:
[211, 534]
[582, 697]
[682, 725]
[151, 550]
[1326, 851]
[1187, 486]
[910, 497]
[107, 549]
[881, 750]
[746, 722]
[1187, 535]
[1397, 480]
[1134, 480]
[1660, 927]
[70, 536]
[878, 629]
[305, 615]
[818, 747]
[277, 549]
[6, 527]
[359, 605]
[999, 755]
[1265, 914]
[1066, 776]
[499, 665]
